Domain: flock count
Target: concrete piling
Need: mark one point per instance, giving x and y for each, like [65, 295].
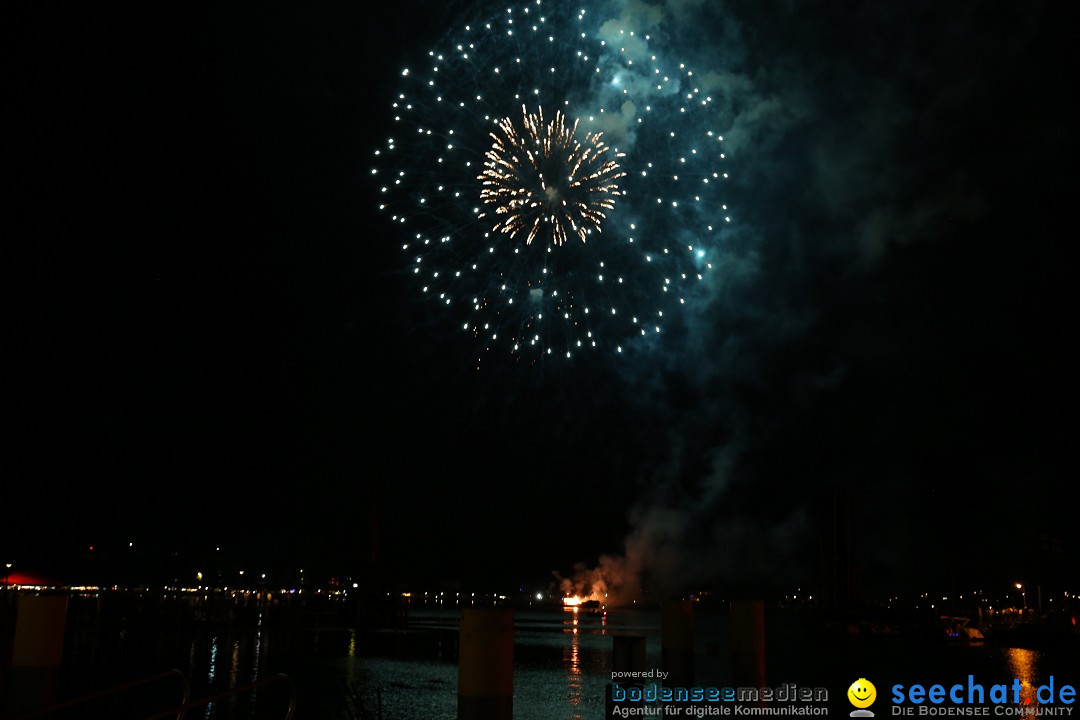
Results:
[748, 643]
[37, 650]
[627, 656]
[486, 664]
[677, 642]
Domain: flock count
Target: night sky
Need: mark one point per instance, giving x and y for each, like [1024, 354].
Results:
[210, 340]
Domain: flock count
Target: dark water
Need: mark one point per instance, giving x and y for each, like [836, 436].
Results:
[562, 662]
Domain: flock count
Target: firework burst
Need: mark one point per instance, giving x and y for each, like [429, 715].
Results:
[537, 127]
[543, 175]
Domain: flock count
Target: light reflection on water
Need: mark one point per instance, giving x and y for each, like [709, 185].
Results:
[211, 674]
[1024, 665]
[572, 662]
[258, 647]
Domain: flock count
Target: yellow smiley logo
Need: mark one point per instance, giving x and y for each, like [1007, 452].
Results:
[862, 693]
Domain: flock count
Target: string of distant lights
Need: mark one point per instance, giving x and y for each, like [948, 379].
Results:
[557, 183]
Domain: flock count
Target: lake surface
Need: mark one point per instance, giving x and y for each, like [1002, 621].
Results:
[562, 662]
